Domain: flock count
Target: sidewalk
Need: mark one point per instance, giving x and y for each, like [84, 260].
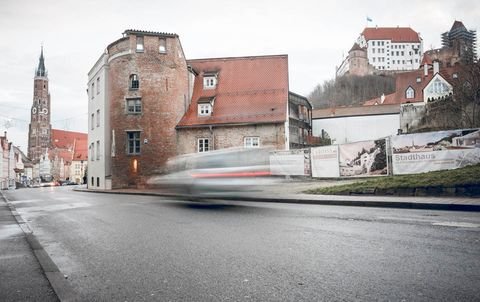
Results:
[21, 276]
[291, 192]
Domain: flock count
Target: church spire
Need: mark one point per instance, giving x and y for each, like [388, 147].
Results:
[41, 71]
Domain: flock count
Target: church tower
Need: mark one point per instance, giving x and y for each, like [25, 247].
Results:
[39, 131]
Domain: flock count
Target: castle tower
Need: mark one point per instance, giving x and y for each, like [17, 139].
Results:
[39, 131]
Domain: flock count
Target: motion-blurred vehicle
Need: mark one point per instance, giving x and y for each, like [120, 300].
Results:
[69, 183]
[220, 173]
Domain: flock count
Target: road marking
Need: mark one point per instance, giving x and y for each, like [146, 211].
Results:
[24, 201]
[457, 224]
[54, 208]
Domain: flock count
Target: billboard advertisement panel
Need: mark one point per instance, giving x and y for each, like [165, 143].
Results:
[433, 151]
[325, 161]
[367, 158]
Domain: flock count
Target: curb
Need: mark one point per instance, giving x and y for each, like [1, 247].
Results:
[57, 280]
[332, 202]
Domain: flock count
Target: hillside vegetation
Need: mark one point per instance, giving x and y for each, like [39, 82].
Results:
[350, 90]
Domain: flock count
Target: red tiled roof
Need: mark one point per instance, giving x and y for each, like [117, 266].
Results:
[395, 34]
[65, 139]
[249, 90]
[81, 150]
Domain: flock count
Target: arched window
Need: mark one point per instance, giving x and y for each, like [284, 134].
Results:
[134, 82]
[410, 93]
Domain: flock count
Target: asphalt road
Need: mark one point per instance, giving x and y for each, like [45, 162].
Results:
[142, 248]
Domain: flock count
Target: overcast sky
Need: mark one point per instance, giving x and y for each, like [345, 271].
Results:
[315, 34]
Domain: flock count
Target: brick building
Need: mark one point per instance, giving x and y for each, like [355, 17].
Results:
[138, 92]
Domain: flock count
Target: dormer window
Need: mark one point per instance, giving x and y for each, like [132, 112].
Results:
[209, 80]
[410, 93]
[204, 109]
[139, 44]
[134, 81]
[419, 79]
[205, 106]
[455, 75]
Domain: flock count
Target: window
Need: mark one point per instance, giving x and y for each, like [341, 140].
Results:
[133, 142]
[373, 50]
[162, 47]
[410, 93]
[98, 181]
[373, 43]
[98, 150]
[92, 123]
[455, 75]
[98, 85]
[134, 106]
[98, 118]
[134, 81]
[203, 145]
[419, 79]
[252, 142]
[93, 91]
[209, 82]
[139, 44]
[204, 109]
[437, 87]
[92, 152]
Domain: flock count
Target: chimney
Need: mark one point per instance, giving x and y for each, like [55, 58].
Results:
[425, 69]
[436, 67]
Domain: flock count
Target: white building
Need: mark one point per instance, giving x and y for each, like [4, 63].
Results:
[392, 48]
[354, 124]
[99, 136]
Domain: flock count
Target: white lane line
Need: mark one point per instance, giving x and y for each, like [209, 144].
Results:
[457, 224]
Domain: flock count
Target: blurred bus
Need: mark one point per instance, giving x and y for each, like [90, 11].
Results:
[227, 172]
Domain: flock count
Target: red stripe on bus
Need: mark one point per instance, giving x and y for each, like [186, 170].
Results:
[232, 174]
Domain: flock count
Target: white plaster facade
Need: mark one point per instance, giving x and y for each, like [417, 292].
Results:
[388, 55]
[99, 136]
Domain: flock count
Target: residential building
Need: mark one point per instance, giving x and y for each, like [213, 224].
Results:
[243, 101]
[7, 178]
[239, 101]
[65, 147]
[99, 143]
